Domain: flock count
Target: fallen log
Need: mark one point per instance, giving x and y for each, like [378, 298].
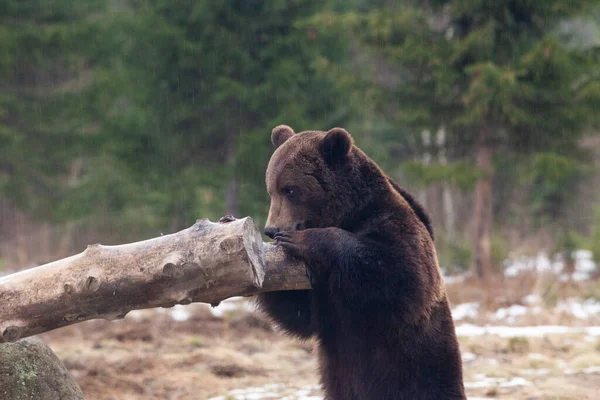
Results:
[207, 263]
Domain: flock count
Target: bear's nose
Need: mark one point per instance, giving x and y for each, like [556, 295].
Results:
[270, 231]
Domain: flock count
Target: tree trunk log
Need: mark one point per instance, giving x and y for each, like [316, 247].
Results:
[207, 263]
[482, 217]
[30, 370]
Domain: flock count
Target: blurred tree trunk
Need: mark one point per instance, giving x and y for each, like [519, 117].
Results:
[231, 193]
[66, 243]
[447, 200]
[424, 195]
[231, 197]
[482, 217]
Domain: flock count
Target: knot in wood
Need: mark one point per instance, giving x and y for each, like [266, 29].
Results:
[232, 245]
[11, 334]
[68, 288]
[169, 270]
[91, 284]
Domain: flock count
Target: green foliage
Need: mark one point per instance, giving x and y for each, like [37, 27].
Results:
[500, 65]
[516, 71]
[146, 111]
[204, 83]
[554, 179]
[142, 114]
[520, 70]
[461, 174]
[454, 255]
[44, 69]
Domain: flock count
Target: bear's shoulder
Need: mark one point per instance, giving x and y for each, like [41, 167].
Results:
[416, 206]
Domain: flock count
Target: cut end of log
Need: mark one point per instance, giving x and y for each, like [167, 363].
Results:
[254, 246]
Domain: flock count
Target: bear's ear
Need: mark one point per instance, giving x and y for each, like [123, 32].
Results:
[280, 134]
[336, 144]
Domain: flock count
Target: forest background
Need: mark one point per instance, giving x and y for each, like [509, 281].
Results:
[124, 120]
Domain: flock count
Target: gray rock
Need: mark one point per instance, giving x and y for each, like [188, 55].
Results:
[29, 370]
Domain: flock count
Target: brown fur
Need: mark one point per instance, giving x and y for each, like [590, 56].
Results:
[378, 306]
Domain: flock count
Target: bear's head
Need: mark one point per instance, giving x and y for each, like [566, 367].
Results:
[311, 179]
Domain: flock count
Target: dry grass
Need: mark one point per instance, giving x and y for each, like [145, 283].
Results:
[162, 359]
[203, 357]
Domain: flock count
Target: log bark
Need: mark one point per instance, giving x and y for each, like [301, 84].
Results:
[30, 370]
[207, 263]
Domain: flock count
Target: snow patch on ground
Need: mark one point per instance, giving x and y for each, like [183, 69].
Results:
[580, 309]
[592, 370]
[273, 391]
[483, 381]
[465, 310]
[511, 313]
[179, 313]
[542, 263]
[536, 372]
[532, 299]
[453, 279]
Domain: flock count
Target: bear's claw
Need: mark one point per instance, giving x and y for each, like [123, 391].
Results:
[294, 242]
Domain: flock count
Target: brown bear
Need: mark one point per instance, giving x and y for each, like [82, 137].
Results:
[377, 306]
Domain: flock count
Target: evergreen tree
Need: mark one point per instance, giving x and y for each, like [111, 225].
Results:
[48, 49]
[496, 75]
[200, 85]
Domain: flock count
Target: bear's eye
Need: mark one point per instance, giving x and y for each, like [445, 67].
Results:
[289, 192]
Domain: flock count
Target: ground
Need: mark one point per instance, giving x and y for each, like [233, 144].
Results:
[531, 333]
[522, 351]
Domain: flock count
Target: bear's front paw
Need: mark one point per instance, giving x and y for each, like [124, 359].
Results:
[296, 245]
[293, 242]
